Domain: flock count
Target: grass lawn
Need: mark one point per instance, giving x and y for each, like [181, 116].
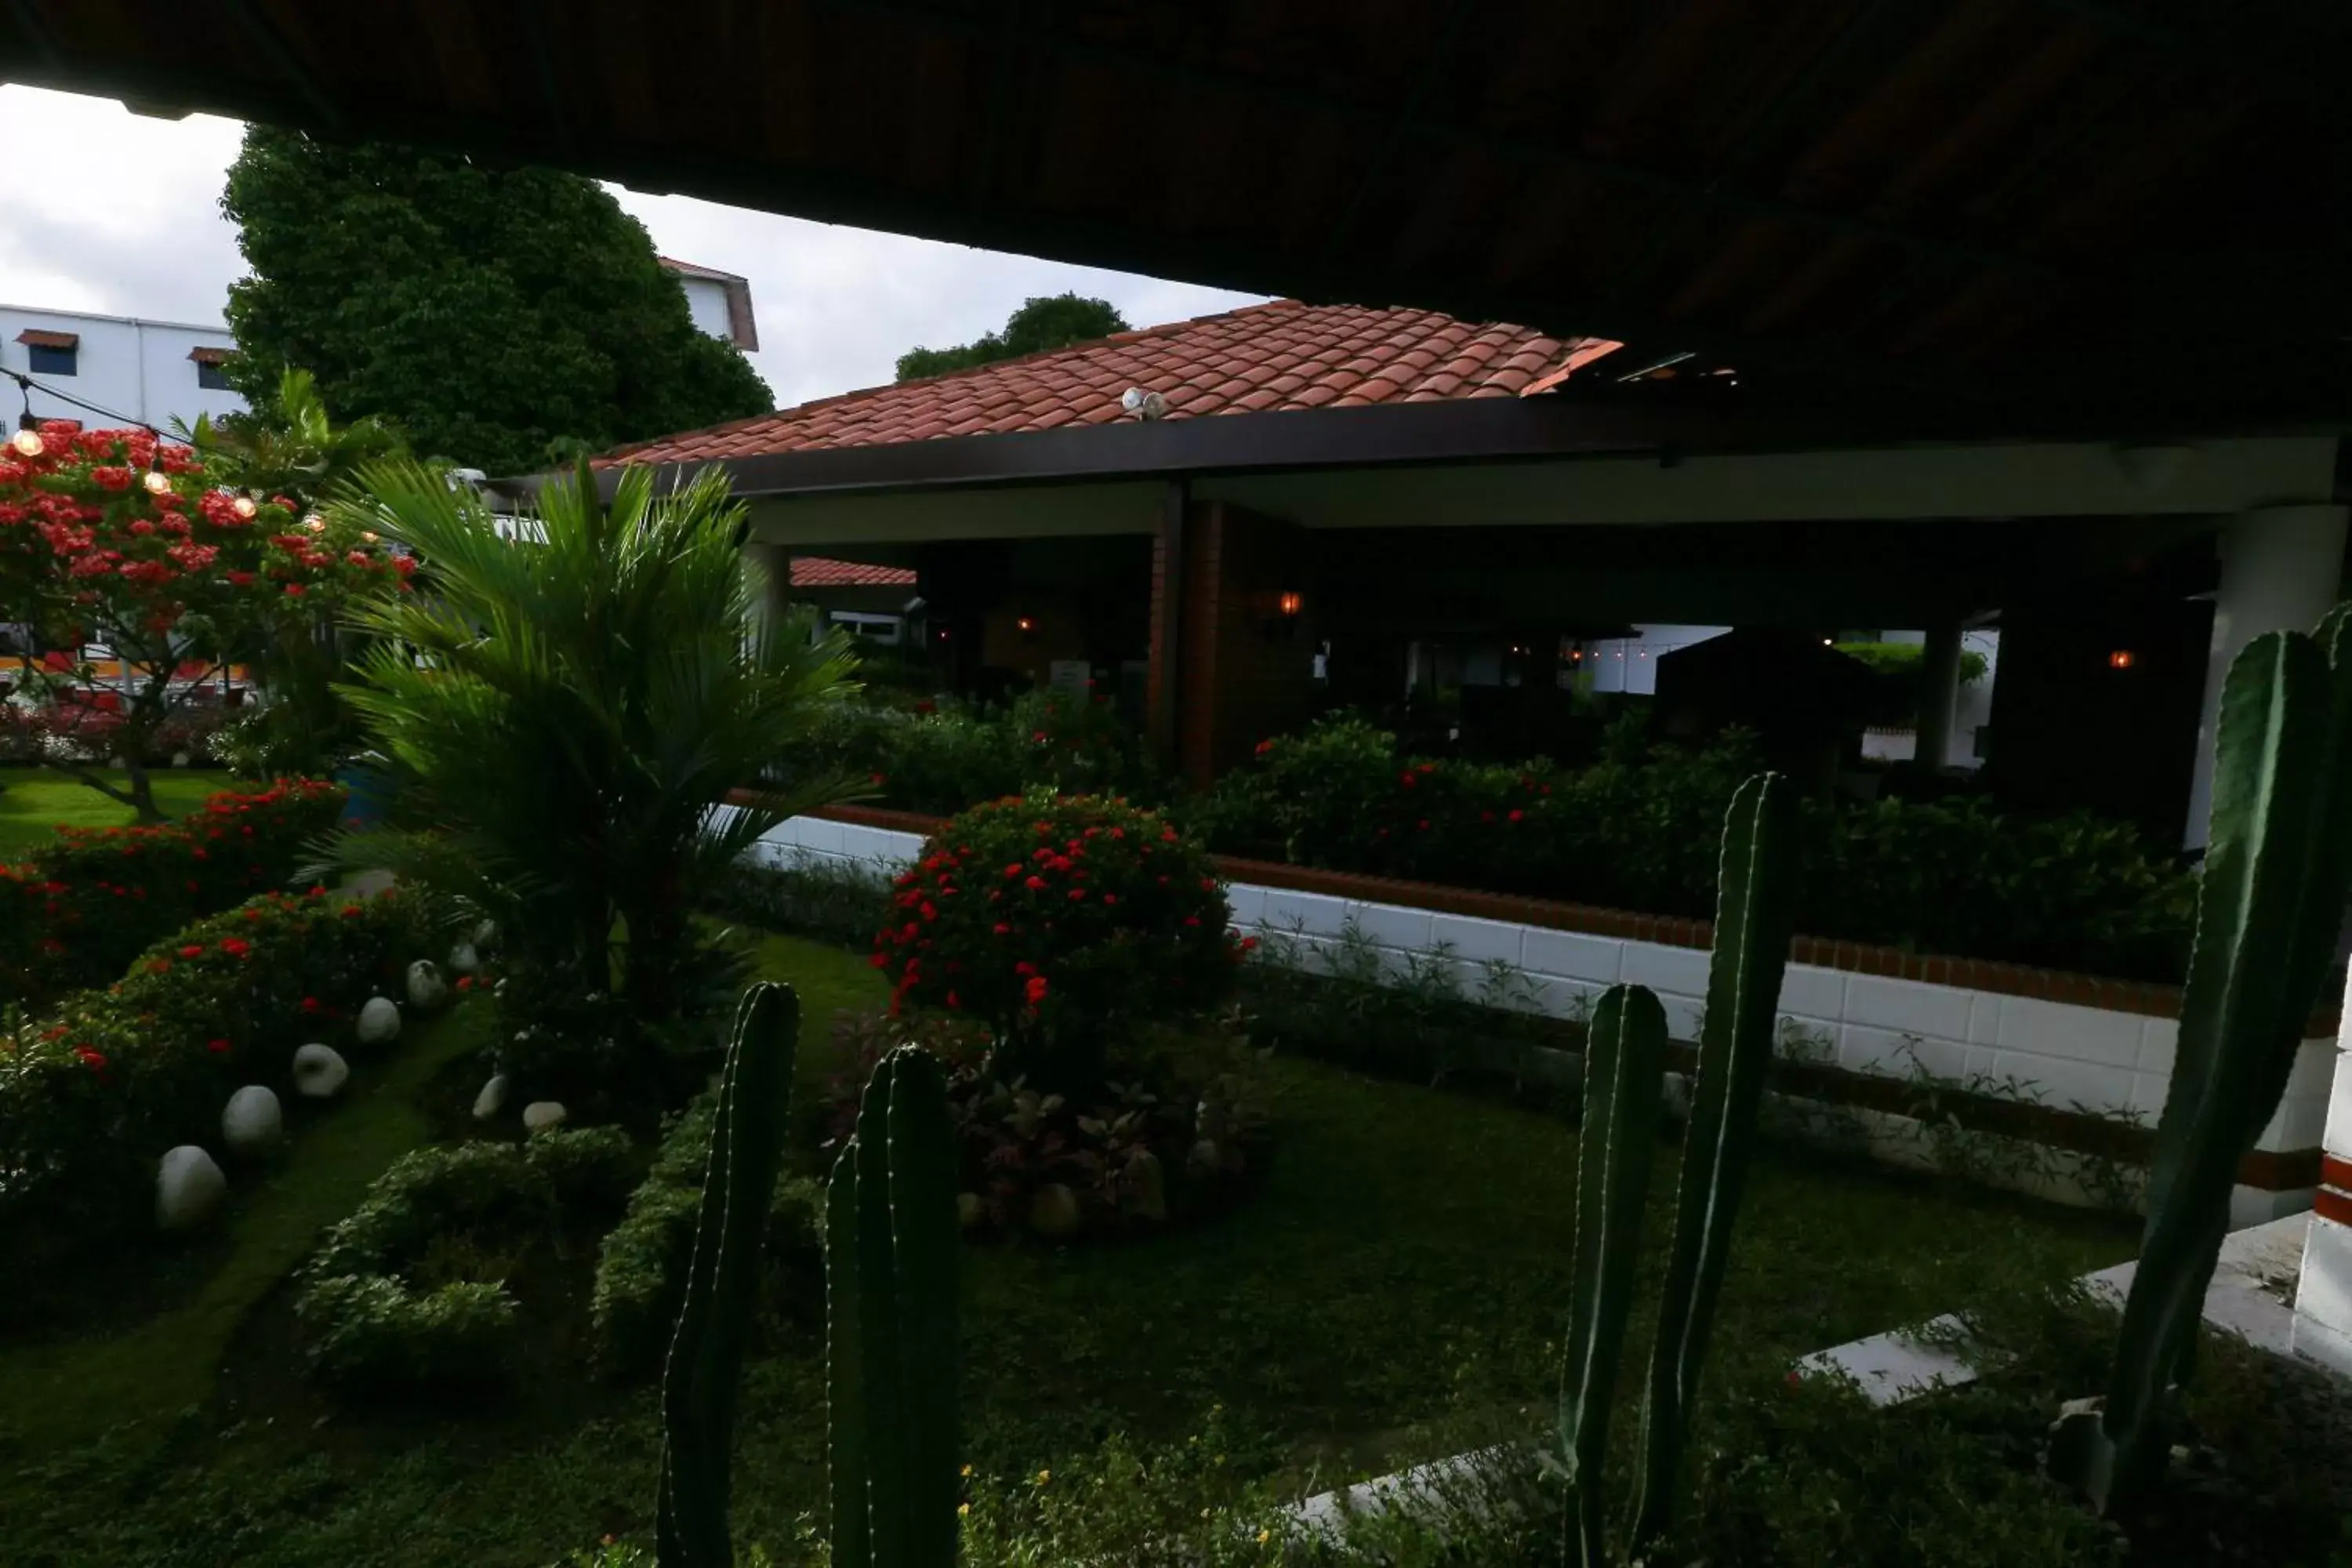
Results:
[1396, 1290]
[35, 801]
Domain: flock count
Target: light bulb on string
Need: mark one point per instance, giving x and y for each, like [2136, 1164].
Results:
[157, 481]
[242, 506]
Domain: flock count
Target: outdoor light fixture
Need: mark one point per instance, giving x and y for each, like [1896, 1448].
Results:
[1027, 626]
[2122, 659]
[26, 443]
[157, 481]
[242, 506]
[1290, 604]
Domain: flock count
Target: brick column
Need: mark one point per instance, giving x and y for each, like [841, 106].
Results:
[2323, 1297]
[1240, 670]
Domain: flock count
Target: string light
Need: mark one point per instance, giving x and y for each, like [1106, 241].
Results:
[242, 506]
[26, 442]
[157, 481]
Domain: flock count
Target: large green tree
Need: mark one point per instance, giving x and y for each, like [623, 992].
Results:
[1048, 322]
[490, 313]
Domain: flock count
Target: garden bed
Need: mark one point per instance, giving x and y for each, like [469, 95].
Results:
[1395, 1292]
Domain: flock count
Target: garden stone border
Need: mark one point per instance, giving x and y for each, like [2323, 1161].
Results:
[2094, 1049]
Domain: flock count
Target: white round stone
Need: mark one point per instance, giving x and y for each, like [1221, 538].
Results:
[542, 1114]
[251, 1123]
[1053, 1210]
[379, 1021]
[464, 959]
[485, 935]
[319, 1071]
[180, 759]
[188, 1187]
[492, 1100]
[426, 989]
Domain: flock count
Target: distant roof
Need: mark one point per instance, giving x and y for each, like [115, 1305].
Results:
[1259, 359]
[741, 329]
[817, 571]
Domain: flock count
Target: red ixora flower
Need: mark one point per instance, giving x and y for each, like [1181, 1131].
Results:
[1036, 990]
[235, 946]
[217, 1047]
[92, 1059]
[194, 949]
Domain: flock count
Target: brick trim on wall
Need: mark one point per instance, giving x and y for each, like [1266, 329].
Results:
[2142, 997]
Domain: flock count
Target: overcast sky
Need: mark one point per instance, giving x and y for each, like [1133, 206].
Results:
[101, 210]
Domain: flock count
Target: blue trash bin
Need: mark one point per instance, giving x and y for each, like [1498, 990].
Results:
[370, 793]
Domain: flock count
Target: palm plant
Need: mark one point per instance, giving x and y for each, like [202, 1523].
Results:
[564, 708]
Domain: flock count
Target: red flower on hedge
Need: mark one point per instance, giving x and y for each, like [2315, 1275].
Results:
[194, 949]
[1036, 990]
[217, 1047]
[236, 946]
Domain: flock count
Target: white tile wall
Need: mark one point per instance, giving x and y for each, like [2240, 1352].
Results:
[2323, 1296]
[2072, 1055]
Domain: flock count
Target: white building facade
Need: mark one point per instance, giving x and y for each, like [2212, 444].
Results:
[131, 371]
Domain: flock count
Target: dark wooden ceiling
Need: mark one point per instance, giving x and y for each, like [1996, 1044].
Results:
[2103, 205]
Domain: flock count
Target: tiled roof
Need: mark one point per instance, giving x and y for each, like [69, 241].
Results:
[817, 571]
[1262, 358]
[695, 270]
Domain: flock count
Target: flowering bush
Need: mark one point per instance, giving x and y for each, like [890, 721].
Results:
[91, 1096]
[79, 910]
[1059, 923]
[111, 536]
[1176, 1134]
[1640, 829]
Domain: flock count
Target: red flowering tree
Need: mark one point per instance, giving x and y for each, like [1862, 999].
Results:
[113, 537]
[1060, 923]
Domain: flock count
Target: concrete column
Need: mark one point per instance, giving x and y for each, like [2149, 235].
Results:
[1939, 695]
[2281, 567]
[2323, 1294]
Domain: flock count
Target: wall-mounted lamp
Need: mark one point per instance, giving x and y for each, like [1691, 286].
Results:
[1026, 625]
[2122, 659]
[1576, 655]
[1290, 602]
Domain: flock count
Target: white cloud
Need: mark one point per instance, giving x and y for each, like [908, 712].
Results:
[102, 210]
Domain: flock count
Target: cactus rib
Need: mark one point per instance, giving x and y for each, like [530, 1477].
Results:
[1625, 1078]
[747, 1140]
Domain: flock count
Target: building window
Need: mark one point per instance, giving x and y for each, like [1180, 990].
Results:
[212, 376]
[43, 360]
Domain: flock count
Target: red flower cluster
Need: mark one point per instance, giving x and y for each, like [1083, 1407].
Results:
[81, 911]
[1040, 912]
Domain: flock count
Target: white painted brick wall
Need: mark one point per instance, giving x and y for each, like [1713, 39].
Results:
[2068, 1055]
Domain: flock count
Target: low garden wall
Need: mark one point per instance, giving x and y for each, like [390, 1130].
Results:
[2075, 1062]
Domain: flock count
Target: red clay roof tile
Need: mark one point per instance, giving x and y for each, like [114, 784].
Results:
[817, 571]
[1262, 358]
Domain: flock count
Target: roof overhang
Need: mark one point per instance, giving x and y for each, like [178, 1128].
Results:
[2115, 200]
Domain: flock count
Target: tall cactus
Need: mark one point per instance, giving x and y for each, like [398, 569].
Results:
[890, 1323]
[747, 1140]
[2269, 908]
[1755, 909]
[1625, 1082]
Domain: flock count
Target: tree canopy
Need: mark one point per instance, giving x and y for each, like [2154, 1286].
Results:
[487, 313]
[1046, 321]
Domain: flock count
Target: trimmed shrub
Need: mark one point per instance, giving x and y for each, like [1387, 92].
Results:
[1059, 923]
[641, 1271]
[942, 758]
[365, 1324]
[828, 899]
[1638, 830]
[93, 1095]
[370, 1330]
[77, 912]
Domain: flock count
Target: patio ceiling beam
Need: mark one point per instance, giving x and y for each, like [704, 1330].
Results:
[1514, 149]
[1000, 94]
[287, 61]
[1376, 167]
[2306, 66]
[540, 41]
[36, 36]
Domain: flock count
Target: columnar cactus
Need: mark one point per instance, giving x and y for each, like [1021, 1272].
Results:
[1624, 1083]
[890, 1323]
[1624, 1069]
[747, 1139]
[2269, 907]
[1755, 912]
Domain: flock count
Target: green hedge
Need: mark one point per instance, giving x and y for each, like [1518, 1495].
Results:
[91, 1096]
[641, 1272]
[1639, 830]
[943, 757]
[79, 910]
[366, 1324]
